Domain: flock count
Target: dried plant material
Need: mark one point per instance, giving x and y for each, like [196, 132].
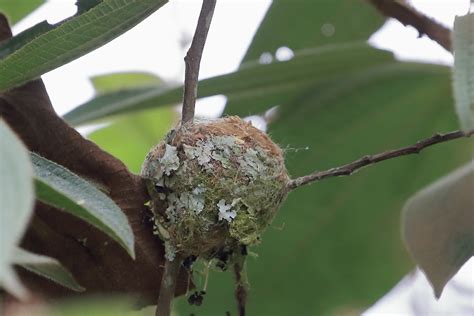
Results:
[225, 185]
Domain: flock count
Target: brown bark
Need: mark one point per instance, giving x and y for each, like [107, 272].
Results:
[98, 263]
[407, 15]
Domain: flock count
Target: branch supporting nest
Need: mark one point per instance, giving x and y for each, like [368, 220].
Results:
[408, 15]
[350, 168]
[168, 287]
[193, 60]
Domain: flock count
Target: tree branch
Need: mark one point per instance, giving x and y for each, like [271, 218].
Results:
[408, 15]
[350, 168]
[168, 286]
[193, 60]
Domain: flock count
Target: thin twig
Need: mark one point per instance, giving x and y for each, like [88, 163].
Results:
[408, 15]
[350, 168]
[241, 284]
[168, 286]
[193, 60]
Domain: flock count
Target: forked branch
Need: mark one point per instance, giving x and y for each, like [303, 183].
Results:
[193, 60]
[408, 15]
[350, 168]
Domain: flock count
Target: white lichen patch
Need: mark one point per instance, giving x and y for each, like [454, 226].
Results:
[225, 211]
[170, 251]
[170, 160]
[191, 202]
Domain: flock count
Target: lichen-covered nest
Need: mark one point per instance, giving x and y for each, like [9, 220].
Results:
[215, 185]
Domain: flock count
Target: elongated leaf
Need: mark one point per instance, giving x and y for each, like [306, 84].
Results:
[438, 226]
[123, 81]
[316, 68]
[16, 203]
[130, 137]
[46, 267]
[46, 47]
[463, 79]
[59, 187]
[15, 10]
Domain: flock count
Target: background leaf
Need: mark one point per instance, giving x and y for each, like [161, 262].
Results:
[313, 23]
[46, 47]
[16, 203]
[130, 137]
[59, 187]
[463, 79]
[123, 81]
[15, 10]
[46, 267]
[310, 69]
[438, 226]
[96, 306]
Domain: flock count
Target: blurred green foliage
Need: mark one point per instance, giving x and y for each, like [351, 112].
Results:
[15, 10]
[130, 137]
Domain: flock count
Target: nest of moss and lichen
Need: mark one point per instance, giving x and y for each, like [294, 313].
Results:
[215, 186]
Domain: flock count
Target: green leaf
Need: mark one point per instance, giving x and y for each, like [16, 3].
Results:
[310, 68]
[15, 10]
[59, 187]
[96, 306]
[130, 137]
[438, 226]
[46, 47]
[16, 203]
[46, 267]
[463, 78]
[313, 23]
[335, 245]
[123, 81]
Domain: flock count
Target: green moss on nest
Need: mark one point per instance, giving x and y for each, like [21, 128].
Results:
[215, 185]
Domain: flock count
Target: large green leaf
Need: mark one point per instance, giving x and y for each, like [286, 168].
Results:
[124, 80]
[59, 187]
[308, 23]
[130, 137]
[16, 203]
[46, 267]
[312, 68]
[335, 246]
[438, 226]
[15, 10]
[46, 47]
[314, 24]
